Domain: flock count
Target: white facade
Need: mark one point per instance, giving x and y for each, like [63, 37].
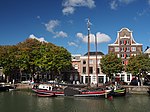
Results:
[82, 64]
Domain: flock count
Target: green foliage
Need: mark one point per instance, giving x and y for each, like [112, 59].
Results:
[32, 56]
[139, 64]
[111, 64]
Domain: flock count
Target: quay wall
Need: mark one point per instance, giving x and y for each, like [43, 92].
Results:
[129, 89]
[23, 86]
[136, 89]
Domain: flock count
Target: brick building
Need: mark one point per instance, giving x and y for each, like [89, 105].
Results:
[124, 47]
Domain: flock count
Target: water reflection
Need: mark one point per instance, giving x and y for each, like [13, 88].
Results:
[28, 102]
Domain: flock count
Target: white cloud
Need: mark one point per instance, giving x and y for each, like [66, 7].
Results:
[70, 5]
[113, 5]
[80, 35]
[38, 17]
[101, 38]
[51, 25]
[149, 2]
[126, 1]
[68, 10]
[70, 22]
[41, 39]
[72, 44]
[60, 34]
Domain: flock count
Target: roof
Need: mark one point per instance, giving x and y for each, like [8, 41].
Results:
[94, 53]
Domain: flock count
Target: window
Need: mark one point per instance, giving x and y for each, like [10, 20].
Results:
[111, 49]
[75, 66]
[122, 55]
[116, 49]
[94, 78]
[128, 77]
[128, 49]
[133, 54]
[122, 49]
[98, 61]
[118, 55]
[100, 79]
[133, 48]
[98, 70]
[84, 62]
[84, 70]
[90, 61]
[87, 79]
[122, 77]
[91, 70]
[127, 55]
[81, 79]
[121, 42]
[127, 42]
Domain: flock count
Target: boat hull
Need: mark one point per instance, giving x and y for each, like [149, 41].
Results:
[119, 92]
[46, 95]
[6, 88]
[41, 91]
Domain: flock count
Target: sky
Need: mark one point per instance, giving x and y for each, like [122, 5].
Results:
[64, 22]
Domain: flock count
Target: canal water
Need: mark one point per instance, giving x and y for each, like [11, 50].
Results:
[21, 101]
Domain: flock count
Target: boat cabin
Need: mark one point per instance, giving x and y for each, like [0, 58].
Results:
[45, 87]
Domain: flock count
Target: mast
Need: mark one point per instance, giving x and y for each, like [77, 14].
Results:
[96, 59]
[88, 25]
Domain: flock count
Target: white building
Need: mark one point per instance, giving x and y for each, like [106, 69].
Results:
[81, 65]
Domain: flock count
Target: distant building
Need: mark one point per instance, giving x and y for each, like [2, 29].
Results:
[80, 63]
[125, 46]
[75, 73]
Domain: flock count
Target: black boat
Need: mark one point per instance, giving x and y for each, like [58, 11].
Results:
[6, 87]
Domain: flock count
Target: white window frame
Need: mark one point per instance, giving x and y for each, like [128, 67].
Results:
[133, 48]
[116, 49]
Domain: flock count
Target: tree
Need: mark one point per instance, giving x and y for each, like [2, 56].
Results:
[111, 64]
[34, 57]
[139, 65]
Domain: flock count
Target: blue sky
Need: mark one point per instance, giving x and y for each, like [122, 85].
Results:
[64, 22]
